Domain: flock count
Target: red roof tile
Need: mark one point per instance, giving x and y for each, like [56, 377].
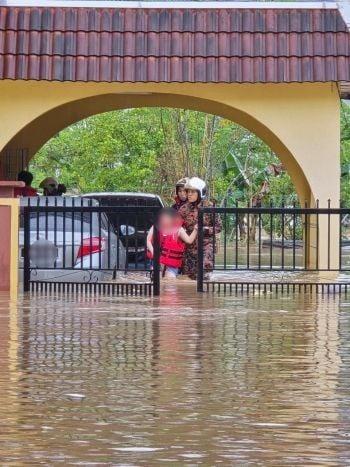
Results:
[174, 45]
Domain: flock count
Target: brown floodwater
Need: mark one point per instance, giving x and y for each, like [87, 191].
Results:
[185, 379]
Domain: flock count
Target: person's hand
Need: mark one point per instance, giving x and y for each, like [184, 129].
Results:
[206, 231]
[196, 227]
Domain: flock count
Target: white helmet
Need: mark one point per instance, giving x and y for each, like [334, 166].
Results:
[48, 182]
[196, 183]
[50, 185]
[182, 182]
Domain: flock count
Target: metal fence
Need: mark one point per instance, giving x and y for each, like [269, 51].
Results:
[275, 239]
[76, 245]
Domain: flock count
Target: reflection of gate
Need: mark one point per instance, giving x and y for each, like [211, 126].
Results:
[272, 248]
[73, 245]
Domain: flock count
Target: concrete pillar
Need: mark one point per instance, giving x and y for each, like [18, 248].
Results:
[322, 240]
[9, 228]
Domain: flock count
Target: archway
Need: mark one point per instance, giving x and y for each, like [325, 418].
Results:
[37, 132]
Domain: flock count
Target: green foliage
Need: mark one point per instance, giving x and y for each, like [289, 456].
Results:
[282, 191]
[148, 149]
[345, 154]
[107, 152]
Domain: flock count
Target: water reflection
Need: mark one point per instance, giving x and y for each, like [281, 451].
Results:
[186, 379]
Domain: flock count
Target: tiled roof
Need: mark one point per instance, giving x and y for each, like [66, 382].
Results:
[174, 45]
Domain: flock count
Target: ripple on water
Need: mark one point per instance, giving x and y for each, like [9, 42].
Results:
[181, 379]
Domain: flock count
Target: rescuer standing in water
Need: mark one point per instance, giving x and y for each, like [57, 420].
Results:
[212, 225]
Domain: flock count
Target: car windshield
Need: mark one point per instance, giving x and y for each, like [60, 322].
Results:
[141, 222]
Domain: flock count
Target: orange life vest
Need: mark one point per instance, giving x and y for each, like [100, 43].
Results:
[171, 250]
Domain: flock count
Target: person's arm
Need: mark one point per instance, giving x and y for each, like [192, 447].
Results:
[189, 239]
[215, 228]
[150, 241]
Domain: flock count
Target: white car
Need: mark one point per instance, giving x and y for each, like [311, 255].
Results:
[132, 228]
[70, 245]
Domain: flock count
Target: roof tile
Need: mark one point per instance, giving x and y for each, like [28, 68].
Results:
[180, 45]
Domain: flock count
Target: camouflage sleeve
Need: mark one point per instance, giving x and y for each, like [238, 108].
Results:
[214, 228]
[182, 212]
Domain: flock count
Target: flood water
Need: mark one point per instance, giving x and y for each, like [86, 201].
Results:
[185, 379]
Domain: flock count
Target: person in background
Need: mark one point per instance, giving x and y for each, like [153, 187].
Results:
[180, 193]
[51, 187]
[27, 190]
[172, 240]
[212, 225]
[61, 189]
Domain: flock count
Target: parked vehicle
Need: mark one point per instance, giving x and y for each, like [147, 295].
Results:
[72, 246]
[131, 229]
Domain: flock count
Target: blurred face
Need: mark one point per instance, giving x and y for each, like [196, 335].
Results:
[166, 222]
[192, 196]
[181, 193]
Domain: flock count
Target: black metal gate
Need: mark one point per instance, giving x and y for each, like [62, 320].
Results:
[275, 245]
[75, 245]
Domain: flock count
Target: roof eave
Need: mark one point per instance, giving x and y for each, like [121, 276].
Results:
[169, 5]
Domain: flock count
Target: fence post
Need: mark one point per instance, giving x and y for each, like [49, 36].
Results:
[200, 257]
[26, 246]
[156, 265]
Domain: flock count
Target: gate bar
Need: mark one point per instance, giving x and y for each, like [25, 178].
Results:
[200, 258]
[156, 258]
[26, 246]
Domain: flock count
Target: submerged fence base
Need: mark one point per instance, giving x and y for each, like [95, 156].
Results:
[107, 288]
[230, 288]
[258, 288]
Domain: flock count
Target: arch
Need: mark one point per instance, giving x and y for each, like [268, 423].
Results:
[39, 130]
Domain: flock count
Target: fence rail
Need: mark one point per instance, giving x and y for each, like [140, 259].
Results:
[81, 243]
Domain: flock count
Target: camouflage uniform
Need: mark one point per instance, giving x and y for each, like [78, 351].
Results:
[178, 203]
[189, 213]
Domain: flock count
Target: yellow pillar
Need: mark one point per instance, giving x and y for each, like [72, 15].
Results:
[9, 229]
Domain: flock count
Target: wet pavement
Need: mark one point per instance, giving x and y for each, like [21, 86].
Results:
[186, 379]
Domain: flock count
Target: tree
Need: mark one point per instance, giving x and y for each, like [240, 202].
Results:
[345, 154]
[149, 149]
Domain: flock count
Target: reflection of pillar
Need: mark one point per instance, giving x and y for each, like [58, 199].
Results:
[13, 346]
[10, 374]
[326, 356]
[9, 215]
